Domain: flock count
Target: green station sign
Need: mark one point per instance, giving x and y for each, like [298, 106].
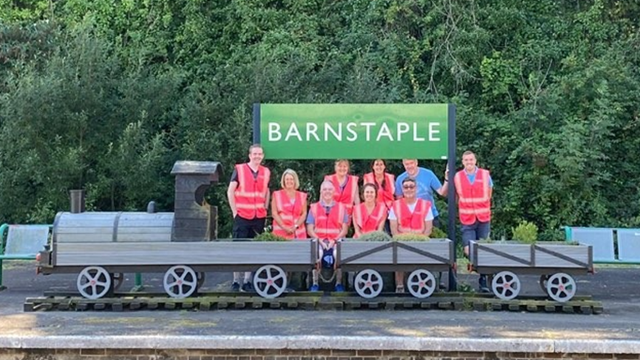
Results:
[354, 131]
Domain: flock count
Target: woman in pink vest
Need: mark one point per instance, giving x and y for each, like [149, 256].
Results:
[346, 186]
[289, 208]
[384, 181]
[371, 214]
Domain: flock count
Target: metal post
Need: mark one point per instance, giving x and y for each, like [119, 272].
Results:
[451, 196]
[138, 286]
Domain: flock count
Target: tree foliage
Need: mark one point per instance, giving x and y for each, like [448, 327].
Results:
[106, 95]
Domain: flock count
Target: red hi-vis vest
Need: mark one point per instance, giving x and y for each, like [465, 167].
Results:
[369, 222]
[411, 220]
[474, 201]
[251, 194]
[345, 196]
[289, 213]
[385, 194]
[328, 226]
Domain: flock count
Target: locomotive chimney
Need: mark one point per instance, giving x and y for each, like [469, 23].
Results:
[194, 219]
[77, 201]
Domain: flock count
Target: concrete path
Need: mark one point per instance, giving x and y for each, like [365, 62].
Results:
[617, 328]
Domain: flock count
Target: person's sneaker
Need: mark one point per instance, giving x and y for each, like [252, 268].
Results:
[483, 284]
[247, 287]
[235, 287]
[314, 288]
[339, 288]
[399, 289]
[289, 290]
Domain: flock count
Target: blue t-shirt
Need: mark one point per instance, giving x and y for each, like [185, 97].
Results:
[472, 177]
[427, 182]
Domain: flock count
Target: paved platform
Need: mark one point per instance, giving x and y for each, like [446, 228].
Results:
[617, 330]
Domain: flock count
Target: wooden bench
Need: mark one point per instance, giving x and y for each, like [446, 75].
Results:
[21, 242]
[610, 245]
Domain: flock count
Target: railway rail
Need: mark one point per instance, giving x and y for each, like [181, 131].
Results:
[309, 301]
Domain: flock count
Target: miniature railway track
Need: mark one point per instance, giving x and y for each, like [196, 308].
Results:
[309, 301]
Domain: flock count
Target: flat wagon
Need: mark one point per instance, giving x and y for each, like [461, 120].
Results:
[555, 263]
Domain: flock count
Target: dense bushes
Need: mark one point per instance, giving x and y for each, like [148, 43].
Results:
[106, 96]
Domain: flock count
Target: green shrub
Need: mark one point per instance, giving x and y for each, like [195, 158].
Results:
[410, 237]
[525, 232]
[375, 236]
[437, 233]
[268, 236]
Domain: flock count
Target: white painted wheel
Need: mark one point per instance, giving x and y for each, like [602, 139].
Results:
[421, 283]
[270, 281]
[561, 287]
[180, 281]
[368, 283]
[94, 282]
[505, 285]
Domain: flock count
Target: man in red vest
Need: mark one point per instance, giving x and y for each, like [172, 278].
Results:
[327, 221]
[410, 214]
[474, 188]
[248, 195]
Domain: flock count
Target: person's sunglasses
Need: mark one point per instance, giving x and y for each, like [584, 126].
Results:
[408, 186]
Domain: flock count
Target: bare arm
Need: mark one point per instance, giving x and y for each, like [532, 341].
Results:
[356, 228]
[344, 230]
[444, 189]
[445, 186]
[311, 231]
[303, 216]
[274, 213]
[230, 196]
[428, 227]
[266, 201]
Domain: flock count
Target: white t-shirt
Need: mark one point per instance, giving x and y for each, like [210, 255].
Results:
[412, 207]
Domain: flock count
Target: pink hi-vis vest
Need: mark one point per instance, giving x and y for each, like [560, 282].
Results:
[328, 226]
[251, 194]
[385, 194]
[345, 196]
[414, 221]
[474, 201]
[289, 213]
[369, 222]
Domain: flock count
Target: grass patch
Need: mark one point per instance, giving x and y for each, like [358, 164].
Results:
[15, 264]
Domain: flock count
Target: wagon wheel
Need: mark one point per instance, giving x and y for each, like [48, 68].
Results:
[180, 281]
[368, 283]
[421, 283]
[270, 281]
[118, 279]
[505, 285]
[543, 283]
[201, 279]
[561, 287]
[93, 282]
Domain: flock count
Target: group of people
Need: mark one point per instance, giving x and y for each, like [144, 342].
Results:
[402, 205]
